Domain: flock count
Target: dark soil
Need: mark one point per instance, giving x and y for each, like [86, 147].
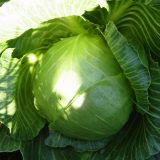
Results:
[11, 156]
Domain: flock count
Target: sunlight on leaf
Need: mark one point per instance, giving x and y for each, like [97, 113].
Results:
[79, 101]
[67, 86]
[32, 58]
[20, 15]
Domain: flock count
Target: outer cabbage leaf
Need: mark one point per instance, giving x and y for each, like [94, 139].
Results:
[7, 143]
[138, 19]
[17, 110]
[8, 77]
[133, 68]
[155, 157]
[36, 149]
[17, 16]
[25, 125]
[97, 16]
[47, 33]
[56, 140]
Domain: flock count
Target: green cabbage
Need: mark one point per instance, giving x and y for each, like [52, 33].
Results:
[81, 90]
[80, 79]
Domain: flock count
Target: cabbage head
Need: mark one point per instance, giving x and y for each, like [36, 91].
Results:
[80, 79]
[81, 90]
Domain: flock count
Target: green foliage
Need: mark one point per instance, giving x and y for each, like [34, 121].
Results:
[80, 80]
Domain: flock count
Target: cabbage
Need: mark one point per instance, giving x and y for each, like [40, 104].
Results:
[80, 80]
[81, 90]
